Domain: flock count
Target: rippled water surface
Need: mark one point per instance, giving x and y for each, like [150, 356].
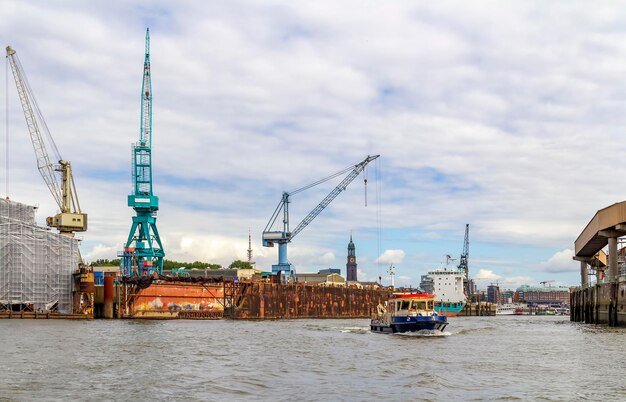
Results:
[486, 358]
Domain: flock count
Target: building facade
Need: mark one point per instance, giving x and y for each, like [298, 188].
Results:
[544, 295]
[493, 294]
[427, 284]
[321, 279]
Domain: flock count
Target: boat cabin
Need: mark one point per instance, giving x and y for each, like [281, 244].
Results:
[411, 304]
[408, 312]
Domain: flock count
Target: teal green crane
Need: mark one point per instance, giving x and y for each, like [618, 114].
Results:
[144, 249]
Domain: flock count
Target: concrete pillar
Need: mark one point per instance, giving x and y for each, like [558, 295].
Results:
[612, 258]
[599, 275]
[584, 278]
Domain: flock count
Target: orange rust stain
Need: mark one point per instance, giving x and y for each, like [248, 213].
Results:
[168, 297]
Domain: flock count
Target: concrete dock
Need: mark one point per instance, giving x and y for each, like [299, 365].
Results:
[601, 301]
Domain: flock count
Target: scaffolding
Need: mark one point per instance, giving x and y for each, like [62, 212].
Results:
[36, 265]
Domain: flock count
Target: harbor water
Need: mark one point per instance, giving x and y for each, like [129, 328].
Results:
[477, 358]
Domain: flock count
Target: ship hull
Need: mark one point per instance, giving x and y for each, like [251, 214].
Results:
[449, 309]
[245, 300]
[176, 300]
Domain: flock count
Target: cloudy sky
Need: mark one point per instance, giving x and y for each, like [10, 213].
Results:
[507, 116]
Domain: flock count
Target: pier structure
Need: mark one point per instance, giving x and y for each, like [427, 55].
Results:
[602, 301]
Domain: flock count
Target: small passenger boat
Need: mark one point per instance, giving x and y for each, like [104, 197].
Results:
[408, 312]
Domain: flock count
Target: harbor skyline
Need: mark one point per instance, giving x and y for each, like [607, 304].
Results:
[484, 114]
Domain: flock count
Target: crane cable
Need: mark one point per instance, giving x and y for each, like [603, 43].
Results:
[378, 216]
[365, 183]
[37, 111]
[7, 124]
[332, 176]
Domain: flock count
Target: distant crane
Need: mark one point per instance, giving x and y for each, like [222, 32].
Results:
[70, 219]
[284, 236]
[392, 274]
[545, 282]
[463, 262]
[147, 252]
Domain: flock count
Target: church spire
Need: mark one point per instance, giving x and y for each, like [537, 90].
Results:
[351, 266]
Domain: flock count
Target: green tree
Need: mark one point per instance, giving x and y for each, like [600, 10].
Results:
[169, 264]
[240, 265]
[104, 262]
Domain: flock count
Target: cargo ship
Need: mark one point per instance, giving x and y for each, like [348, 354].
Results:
[447, 285]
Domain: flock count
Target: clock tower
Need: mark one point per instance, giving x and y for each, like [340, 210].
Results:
[351, 265]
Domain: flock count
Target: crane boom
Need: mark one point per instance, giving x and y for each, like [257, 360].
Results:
[285, 236]
[70, 219]
[358, 168]
[43, 160]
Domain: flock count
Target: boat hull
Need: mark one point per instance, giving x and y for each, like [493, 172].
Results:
[409, 324]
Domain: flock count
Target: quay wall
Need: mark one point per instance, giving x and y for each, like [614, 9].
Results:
[603, 303]
[478, 309]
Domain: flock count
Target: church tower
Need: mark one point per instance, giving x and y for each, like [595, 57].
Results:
[351, 265]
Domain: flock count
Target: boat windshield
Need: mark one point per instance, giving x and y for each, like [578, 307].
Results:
[418, 305]
[421, 305]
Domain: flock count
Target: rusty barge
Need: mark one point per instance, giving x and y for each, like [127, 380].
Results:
[215, 298]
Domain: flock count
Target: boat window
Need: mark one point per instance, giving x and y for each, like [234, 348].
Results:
[405, 305]
[430, 305]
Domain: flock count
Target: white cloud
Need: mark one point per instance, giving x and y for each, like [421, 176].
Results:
[561, 261]
[100, 251]
[486, 275]
[486, 122]
[327, 258]
[391, 257]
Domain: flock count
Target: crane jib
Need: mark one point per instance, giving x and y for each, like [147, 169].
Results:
[63, 190]
[287, 235]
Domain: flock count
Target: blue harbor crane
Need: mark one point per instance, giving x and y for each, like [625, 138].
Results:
[144, 249]
[284, 236]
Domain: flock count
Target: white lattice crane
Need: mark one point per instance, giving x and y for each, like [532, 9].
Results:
[70, 219]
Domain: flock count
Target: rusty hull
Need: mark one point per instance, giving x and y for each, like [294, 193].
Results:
[262, 300]
[174, 300]
[247, 300]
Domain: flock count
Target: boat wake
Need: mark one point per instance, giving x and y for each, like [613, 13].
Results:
[355, 330]
[424, 333]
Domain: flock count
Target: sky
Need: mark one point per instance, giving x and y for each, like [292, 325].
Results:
[504, 116]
